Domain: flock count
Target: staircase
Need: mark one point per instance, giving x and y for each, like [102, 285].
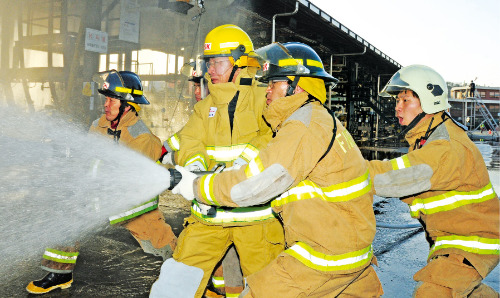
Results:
[488, 118]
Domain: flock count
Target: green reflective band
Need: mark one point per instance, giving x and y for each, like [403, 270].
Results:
[451, 200]
[207, 189]
[218, 281]
[472, 244]
[234, 215]
[225, 153]
[60, 256]
[323, 262]
[400, 162]
[136, 211]
[232, 295]
[128, 90]
[341, 192]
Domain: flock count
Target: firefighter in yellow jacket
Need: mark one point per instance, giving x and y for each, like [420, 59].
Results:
[318, 179]
[123, 91]
[226, 127]
[444, 181]
[231, 277]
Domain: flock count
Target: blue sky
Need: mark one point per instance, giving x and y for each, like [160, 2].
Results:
[460, 39]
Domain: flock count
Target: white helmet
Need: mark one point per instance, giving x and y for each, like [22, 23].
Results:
[425, 82]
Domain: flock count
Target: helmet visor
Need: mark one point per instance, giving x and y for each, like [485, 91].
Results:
[112, 84]
[396, 84]
[276, 62]
[194, 70]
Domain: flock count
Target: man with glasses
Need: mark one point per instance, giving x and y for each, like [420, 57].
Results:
[316, 179]
[226, 127]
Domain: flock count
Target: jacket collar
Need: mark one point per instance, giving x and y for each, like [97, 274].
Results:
[280, 109]
[220, 91]
[128, 120]
[421, 128]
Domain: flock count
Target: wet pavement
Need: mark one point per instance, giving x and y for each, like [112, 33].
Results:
[111, 263]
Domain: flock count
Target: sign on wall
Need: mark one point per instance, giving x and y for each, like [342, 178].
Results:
[129, 21]
[96, 41]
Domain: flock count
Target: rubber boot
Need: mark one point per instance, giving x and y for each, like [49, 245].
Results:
[50, 282]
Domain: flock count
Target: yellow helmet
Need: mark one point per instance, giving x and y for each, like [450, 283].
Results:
[229, 41]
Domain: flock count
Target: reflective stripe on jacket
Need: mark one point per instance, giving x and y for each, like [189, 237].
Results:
[458, 203]
[234, 216]
[172, 144]
[207, 137]
[326, 207]
[450, 200]
[335, 193]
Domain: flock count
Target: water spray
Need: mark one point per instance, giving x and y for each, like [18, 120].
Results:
[59, 183]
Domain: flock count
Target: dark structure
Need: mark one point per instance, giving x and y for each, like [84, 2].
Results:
[45, 63]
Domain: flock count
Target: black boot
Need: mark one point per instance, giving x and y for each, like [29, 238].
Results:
[50, 282]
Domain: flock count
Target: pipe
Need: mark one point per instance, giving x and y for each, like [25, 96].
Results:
[283, 15]
[351, 54]
[398, 226]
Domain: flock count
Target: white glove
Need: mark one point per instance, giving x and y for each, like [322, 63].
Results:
[233, 168]
[204, 208]
[196, 166]
[167, 159]
[237, 164]
[185, 187]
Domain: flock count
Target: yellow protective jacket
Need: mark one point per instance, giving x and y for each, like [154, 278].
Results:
[133, 133]
[325, 206]
[447, 187]
[207, 138]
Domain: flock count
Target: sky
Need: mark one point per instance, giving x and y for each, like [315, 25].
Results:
[460, 39]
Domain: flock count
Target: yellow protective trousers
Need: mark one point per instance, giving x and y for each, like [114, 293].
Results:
[203, 246]
[288, 277]
[450, 276]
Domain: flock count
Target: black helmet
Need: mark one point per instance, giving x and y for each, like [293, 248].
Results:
[291, 59]
[122, 85]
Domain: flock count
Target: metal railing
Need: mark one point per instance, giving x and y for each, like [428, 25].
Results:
[488, 118]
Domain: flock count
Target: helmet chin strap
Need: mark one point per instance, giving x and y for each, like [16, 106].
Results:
[118, 118]
[412, 124]
[233, 71]
[291, 87]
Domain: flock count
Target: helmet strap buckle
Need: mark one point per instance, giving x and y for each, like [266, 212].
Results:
[291, 87]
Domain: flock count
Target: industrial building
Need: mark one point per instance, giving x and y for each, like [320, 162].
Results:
[51, 48]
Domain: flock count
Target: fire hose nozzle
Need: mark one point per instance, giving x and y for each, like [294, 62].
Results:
[176, 176]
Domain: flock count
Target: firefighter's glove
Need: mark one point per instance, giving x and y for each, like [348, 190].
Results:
[196, 166]
[237, 164]
[185, 187]
[205, 209]
[168, 159]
